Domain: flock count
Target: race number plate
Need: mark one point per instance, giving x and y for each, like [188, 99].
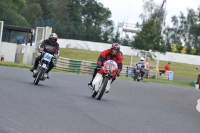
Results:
[48, 57]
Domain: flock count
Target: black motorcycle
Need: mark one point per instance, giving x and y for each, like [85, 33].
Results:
[137, 75]
[42, 67]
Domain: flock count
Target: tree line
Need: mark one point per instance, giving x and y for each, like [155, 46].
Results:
[89, 20]
[71, 19]
[182, 37]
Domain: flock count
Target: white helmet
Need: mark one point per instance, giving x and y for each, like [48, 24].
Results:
[142, 60]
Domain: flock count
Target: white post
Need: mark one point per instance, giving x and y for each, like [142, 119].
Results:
[164, 15]
[1, 30]
[145, 56]
[158, 56]
[131, 58]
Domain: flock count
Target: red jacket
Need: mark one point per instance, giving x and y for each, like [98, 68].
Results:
[106, 55]
[167, 67]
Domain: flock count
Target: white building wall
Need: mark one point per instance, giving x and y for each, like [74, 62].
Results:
[8, 50]
[28, 55]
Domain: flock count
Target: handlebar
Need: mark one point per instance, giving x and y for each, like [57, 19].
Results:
[46, 52]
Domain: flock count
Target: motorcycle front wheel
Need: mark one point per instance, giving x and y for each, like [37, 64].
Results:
[103, 88]
[94, 93]
[39, 75]
[135, 76]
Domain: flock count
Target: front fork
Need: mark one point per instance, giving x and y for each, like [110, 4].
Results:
[97, 82]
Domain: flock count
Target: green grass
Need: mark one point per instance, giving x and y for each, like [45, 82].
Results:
[179, 69]
[80, 54]
[174, 82]
[14, 65]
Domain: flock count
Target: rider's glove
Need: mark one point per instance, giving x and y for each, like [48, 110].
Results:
[56, 56]
[41, 49]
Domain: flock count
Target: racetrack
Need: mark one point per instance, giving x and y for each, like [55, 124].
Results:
[63, 104]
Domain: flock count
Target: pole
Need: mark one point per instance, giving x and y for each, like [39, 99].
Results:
[158, 56]
[131, 58]
[162, 26]
[164, 16]
[145, 57]
[1, 31]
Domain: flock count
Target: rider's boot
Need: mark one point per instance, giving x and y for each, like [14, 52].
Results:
[32, 69]
[46, 75]
[90, 85]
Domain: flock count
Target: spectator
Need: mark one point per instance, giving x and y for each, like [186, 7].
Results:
[167, 67]
[20, 40]
[198, 76]
[147, 64]
[29, 39]
[2, 58]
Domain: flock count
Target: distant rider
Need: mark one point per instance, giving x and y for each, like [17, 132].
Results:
[198, 76]
[141, 61]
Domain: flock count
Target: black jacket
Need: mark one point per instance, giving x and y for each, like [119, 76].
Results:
[52, 48]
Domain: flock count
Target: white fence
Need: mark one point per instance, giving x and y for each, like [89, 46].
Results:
[94, 46]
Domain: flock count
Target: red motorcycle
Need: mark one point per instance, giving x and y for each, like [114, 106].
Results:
[103, 79]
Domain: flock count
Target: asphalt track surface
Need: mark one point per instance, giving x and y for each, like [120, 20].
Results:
[63, 104]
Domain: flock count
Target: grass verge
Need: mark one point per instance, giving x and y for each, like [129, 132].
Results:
[174, 82]
[182, 83]
[179, 69]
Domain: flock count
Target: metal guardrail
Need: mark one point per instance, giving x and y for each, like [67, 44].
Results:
[153, 72]
[87, 67]
[80, 66]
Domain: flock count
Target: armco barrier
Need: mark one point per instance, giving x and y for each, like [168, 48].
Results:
[80, 66]
[87, 67]
[74, 66]
[93, 65]
[62, 63]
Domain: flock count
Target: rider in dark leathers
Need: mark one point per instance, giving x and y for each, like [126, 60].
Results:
[50, 46]
[141, 61]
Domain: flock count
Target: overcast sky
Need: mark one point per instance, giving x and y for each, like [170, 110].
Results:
[129, 10]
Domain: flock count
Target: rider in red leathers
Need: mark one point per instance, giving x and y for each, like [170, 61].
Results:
[109, 54]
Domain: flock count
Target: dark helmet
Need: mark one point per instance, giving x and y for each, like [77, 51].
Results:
[115, 46]
[53, 36]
